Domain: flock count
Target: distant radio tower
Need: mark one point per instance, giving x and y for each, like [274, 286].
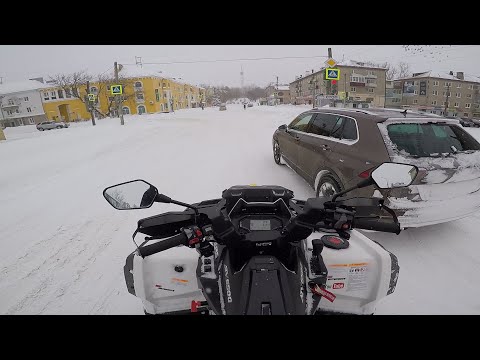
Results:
[241, 77]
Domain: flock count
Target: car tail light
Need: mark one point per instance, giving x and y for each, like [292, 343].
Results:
[365, 174]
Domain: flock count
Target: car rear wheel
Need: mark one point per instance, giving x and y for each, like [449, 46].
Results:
[59, 127]
[328, 186]
[277, 154]
[41, 129]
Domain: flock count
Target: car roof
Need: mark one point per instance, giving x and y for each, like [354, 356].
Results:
[381, 114]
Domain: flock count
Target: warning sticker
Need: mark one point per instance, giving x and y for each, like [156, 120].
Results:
[357, 277]
[177, 281]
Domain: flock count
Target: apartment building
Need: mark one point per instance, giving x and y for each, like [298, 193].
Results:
[278, 94]
[358, 81]
[393, 94]
[20, 103]
[144, 92]
[450, 94]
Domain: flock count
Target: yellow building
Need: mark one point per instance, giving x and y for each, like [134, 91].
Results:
[144, 92]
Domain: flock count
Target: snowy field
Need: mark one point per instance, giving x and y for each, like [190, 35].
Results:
[63, 247]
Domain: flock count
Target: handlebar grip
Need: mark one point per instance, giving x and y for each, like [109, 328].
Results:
[180, 239]
[385, 225]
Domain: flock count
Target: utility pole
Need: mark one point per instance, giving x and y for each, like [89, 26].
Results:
[276, 97]
[329, 82]
[117, 99]
[90, 104]
[446, 101]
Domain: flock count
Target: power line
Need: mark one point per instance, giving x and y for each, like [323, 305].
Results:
[228, 60]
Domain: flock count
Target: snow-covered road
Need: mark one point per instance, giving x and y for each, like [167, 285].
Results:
[62, 247]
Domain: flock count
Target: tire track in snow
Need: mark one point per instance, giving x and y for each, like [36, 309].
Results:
[62, 269]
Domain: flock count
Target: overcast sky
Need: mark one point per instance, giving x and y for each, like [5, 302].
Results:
[21, 62]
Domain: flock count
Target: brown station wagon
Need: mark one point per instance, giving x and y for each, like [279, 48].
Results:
[333, 149]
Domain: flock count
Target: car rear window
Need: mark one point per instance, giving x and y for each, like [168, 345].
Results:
[335, 126]
[425, 140]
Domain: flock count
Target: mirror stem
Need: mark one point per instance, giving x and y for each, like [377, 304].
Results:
[361, 184]
[186, 205]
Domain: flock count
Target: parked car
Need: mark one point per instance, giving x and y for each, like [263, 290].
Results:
[466, 122]
[48, 125]
[223, 107]
[334, 149]
[250, 105]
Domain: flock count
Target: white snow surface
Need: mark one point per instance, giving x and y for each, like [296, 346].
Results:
[63, 247]
[21, 86]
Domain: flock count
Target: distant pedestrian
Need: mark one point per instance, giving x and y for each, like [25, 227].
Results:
[244, 106]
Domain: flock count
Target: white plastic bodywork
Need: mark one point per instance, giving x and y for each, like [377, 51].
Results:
[361, 290]
[363, 269]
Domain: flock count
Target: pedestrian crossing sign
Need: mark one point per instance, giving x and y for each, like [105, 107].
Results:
[332, 74]
[116, 89]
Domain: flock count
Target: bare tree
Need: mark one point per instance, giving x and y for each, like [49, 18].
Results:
[404, 69]
[105, 82]
[71, 83]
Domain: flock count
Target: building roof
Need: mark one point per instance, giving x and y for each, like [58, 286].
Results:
[346, 63]
[353, 63]
[442, 75]
[134, 71]
[20, 86]
[283, 87]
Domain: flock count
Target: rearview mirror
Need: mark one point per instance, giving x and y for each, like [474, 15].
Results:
[282, 127]
[136, 194]
[393, 175]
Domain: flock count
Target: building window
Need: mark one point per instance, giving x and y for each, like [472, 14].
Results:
[17, 111]
[415, 92]
[434, 102]
[353, 89]
[30, 121]
[447, 84]
[360, 79]
[10, 102]
[53, 94]
[140, 96]
[459, 85]
[141, 110]
[9, 112]
[415, 101]
[29, 109]
[25, 98]
[20, 122]
[138, 84]
[370, 72]
[458, 95]
[125, 110]
[446, 93]
[161, 107]
[469, 96]
[467, 106]
[470, 86]
[434, 92]
[60, 94]
[457, 105]
[68, 94]
[435, 83]
[157, 95]
[465, 114]
[46, 96]
[370, 90]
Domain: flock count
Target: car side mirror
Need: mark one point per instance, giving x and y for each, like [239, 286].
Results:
[283, 127]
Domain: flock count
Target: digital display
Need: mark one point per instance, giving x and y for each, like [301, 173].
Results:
[260, 225]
